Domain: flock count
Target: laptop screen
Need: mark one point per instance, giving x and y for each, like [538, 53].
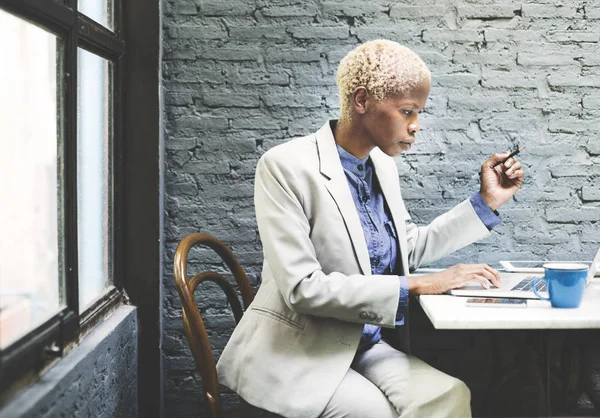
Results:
[593, 267]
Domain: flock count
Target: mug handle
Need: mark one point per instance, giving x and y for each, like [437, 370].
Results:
[535, 290]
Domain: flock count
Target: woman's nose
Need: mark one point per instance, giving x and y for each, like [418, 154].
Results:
[414, 127]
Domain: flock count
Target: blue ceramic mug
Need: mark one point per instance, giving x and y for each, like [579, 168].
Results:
[565, 282]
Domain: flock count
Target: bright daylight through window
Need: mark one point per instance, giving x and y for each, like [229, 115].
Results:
[94, 188]
[30, 170]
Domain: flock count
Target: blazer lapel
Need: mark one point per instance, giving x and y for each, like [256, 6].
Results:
[337, 185]
[388, 180]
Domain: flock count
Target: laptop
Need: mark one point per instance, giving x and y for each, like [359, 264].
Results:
[516, 285]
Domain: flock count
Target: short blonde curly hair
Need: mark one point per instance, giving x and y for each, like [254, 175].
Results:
[383, 67]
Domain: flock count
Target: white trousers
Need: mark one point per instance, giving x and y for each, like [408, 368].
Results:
[385, 383]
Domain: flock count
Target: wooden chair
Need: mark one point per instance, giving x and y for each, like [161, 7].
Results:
[192, 319]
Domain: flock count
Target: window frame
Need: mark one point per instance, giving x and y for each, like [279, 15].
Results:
[25, 358]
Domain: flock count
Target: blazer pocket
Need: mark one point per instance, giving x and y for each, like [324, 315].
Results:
[277, 317]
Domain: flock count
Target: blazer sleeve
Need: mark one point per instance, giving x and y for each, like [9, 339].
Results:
[447, 233]
[291, 257]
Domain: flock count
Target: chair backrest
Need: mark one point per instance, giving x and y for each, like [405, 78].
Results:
[192, 319]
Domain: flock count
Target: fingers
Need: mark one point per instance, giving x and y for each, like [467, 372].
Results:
[517, 178]
[511, 162]
[461, 274]
[486, 275]
[477, 278]
[511, 165]
[513, 171]
[493, 276]
[499, 157]
[483, 274]
[495, 159]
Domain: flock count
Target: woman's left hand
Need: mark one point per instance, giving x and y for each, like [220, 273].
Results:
[500, 183]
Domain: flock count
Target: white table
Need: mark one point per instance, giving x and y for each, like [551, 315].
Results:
[451, 312]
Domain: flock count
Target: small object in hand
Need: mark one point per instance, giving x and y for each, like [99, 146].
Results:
[512, 154]
[497, 302]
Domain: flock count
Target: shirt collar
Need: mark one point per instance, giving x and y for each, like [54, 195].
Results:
[353, 164]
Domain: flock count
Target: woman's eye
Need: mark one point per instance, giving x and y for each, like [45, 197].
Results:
[407, 112]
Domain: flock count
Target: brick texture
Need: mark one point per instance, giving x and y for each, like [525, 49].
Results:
[242, 76]
[98, 378]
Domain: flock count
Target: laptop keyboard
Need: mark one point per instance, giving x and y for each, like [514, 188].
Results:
[526, 284]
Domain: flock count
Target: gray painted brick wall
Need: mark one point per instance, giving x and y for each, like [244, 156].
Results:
[242, 76]
[98, 378]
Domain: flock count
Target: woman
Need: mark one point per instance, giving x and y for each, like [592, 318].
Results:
[338, 247]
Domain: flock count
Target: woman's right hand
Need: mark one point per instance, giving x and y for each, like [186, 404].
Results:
[453, 277]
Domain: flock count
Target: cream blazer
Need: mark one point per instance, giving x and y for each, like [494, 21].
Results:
[297, 339]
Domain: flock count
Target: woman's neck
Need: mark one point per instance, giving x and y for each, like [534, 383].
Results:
[352, 138]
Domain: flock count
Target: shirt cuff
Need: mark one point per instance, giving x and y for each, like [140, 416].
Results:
[402, 301]
[489, 217]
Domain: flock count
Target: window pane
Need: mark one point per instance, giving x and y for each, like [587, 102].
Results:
[99, 10]
[30, 284]
[94, 188]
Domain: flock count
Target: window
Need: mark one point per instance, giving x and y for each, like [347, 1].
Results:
[60, 114]
[93, 176]
[30, 289]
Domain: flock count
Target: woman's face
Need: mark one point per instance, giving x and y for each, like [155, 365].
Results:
[392, 123]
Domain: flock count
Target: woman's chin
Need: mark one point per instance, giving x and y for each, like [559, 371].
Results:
[397, 149]
[392, 152]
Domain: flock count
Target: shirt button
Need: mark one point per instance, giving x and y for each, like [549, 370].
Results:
[360, 167]
[365, 198]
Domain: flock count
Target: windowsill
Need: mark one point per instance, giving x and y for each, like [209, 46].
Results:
[94, 363]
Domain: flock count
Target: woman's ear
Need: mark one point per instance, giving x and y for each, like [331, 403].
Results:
[360, 96]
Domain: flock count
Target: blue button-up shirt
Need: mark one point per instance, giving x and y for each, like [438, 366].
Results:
[380, 232]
